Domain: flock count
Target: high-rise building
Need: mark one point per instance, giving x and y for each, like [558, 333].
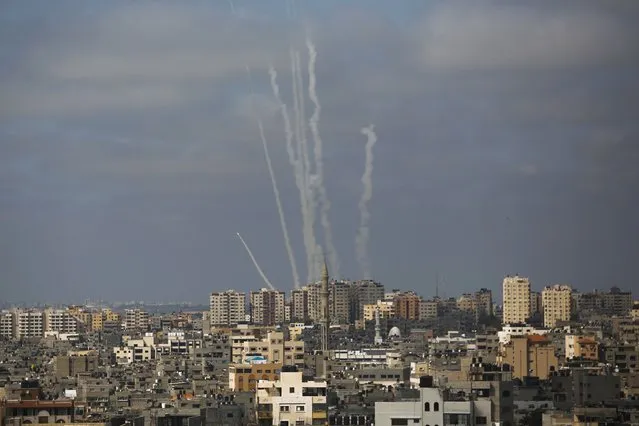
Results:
[29, 323]
[617, 302]
[535, 303]
[228, 307]
[428, 309]
[384, 308]
[267, 307]
[484, 302]
[466, 302]
[299, 304]
[516, 295]
[60, 321]
[339, 302]
[407, 305]
[555, 302]
[365, 292]
[136, 319]
[7, 324]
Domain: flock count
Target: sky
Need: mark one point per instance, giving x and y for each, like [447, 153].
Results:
[130, 156]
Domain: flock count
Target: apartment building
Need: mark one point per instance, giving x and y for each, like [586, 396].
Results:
[581, 347]
[227, 308]
[244, 377]
[267, 307]
[7, 324]
[531, 355]
[516, 298]
[59, 320]
[291, 400]
[364, 292]
[29, 323]
[536, 303]
[428, 309]
[484, 302]
[299, 304]
[339, 302]
[274, 348]
[136, 319]
[385, 308]
[466, 302]
[556, 302]
[407, 305]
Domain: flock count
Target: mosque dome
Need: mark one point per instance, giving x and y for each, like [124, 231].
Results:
[394, 332]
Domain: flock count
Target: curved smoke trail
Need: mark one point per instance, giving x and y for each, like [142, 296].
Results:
[319, 161]
[363, 234]
[276, 192]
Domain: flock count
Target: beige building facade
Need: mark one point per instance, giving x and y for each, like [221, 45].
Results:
[516, 298]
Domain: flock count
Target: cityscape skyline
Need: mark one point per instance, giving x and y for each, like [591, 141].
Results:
[130, 155]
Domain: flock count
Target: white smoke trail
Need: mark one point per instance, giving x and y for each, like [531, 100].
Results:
[363, 234]
[248, 250]
[276, 191]
[319, 160]
[313, 266]
[232, 5]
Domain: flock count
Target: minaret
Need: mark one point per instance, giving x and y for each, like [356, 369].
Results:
[326, 323]
[378, 329]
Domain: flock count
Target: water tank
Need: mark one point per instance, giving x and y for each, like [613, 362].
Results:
[426, 382]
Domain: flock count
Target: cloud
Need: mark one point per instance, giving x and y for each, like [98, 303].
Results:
[521, 36]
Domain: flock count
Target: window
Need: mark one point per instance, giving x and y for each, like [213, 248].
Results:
[426, 406]
[291, 390]
[399, 422]
[436, 406]
[285, 408]
[299, 408]
[481, 420]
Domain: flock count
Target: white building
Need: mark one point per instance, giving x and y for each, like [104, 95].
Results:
[59, 320]
[509, 331]
[291, 400]
[29, 323]
[135, 350]
[7, 324]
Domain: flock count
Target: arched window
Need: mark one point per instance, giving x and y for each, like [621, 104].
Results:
[426, 406]
[436, 406]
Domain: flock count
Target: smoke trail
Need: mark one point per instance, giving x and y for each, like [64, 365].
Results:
[232, 5]
[363, 234]
[248, 250]
[313, 270]
[319, 161]
[276, 191]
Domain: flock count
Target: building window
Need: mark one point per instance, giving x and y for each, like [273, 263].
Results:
[399, 422]
[436, 406]
[284, 408]
[426, 406]
[481, 420]
[299, 408]
[291, 390]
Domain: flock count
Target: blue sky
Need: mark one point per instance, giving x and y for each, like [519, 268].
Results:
[130, 154]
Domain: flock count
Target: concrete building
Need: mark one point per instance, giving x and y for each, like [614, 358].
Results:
[274, 348]
[407, 305]
[267, 307]
[227, 308]
[7, 324]
[59, 320]
[299, 304]
[516, 298]
[135, 319]
[531, 355]
[244, 377]
[73, 364]
[364, 292]
[556, 301]
[385, 308]
[536, 303]
[339, 297]
[291, 400]
[29, 323]
[484, 302]
[581, 347]
[462, 403]
[428, 309]
[466, 303]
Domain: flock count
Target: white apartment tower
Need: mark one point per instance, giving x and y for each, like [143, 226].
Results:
[7, 324]
[29, 323]
[555, 302]
[228, 307]
[516, 294]
[267, 307]
[60, 320]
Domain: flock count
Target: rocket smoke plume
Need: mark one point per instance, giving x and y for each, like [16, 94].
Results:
[319, 161]
[363, 234]
[276, 192]
[248, 250]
